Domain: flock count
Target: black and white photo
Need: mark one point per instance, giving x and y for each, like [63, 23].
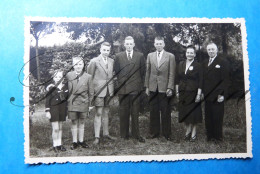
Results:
[118, 89]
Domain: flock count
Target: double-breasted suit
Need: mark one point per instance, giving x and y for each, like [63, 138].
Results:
[189, 83]
[216, 79]
[56, 103]
[102, 76]
[130, 76]
[159, 78]
[80, 91]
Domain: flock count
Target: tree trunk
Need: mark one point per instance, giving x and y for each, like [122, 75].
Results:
[37, 60]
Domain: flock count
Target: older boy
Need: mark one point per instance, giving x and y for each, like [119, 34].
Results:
[101, 69]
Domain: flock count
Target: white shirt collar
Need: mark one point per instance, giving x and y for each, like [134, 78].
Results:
[213, 58]
[161, 53]
[131, 53]
[104, 59]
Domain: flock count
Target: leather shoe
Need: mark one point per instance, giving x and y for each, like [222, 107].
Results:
[193, 139]
[74, 146]
[152, 136]
[83, 144]
[141, 139]
[61, 148]
[187, 137]
[168, 138]
[55, 149]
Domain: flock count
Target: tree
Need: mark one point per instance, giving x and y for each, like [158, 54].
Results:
[39, 30]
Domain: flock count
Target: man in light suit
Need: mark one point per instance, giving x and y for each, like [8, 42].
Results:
[101, 69]
[216, 79]
[80, 96]
[129, 69]
[159, 83]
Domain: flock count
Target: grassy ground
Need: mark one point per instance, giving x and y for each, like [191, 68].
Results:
[234, 136]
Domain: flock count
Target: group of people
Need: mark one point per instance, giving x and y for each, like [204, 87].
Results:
[190, 82]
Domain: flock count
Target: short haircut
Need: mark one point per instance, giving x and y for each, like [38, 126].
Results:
[191, 47]
[159, 38]
[212, 43]
[58, 70]
[105, 44]
[129, 38]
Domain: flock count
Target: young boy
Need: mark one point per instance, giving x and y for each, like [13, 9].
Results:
[81, 94]
[56, 108]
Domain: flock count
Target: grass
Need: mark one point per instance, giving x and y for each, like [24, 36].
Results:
[234, 136]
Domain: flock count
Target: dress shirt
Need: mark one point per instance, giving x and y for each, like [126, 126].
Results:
[159, 57]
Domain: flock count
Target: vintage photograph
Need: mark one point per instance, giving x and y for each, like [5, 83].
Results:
[118, 89]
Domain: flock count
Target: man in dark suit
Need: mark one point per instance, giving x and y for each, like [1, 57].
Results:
[215, 85]
[159, 83]
[129, 69]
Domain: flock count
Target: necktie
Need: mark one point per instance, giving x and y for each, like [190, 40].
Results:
[105, 60]
[77, 78]
[210, 61]
[158, 58]
[128, 56]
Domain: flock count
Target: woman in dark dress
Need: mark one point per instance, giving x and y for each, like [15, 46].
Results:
[56, 108]
[189, 82]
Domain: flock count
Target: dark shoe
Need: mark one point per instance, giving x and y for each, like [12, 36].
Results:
[187, 137]
[55, 149]
[141, 139]
[109, 137]
[96, 141]
[83, 144]
[62, 148]
[168, 138]
[74, 146]
[193, 139]
[152, 136]
[218, 141]
[125, 138]
[210, 139]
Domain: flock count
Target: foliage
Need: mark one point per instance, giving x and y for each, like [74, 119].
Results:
[177, 36]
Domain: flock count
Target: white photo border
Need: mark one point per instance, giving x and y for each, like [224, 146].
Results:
[135, 158]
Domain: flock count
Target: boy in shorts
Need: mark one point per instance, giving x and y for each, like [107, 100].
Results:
[101, 69]
[81, 94]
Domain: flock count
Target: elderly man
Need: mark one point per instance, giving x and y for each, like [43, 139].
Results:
[159, 83]
[101, 69]
[129, 69]
[216, 77]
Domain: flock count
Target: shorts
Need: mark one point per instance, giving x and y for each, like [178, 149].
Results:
[77, 115]
[102, 101]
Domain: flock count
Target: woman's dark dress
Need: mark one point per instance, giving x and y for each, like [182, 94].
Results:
[56, 101]
[189, 111]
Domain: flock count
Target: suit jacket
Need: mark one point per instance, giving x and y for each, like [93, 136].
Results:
[189, 82]
[80, 93]
[102, 75]
[216, 78]
[162, 76]
[130, 73]
[192, 80]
